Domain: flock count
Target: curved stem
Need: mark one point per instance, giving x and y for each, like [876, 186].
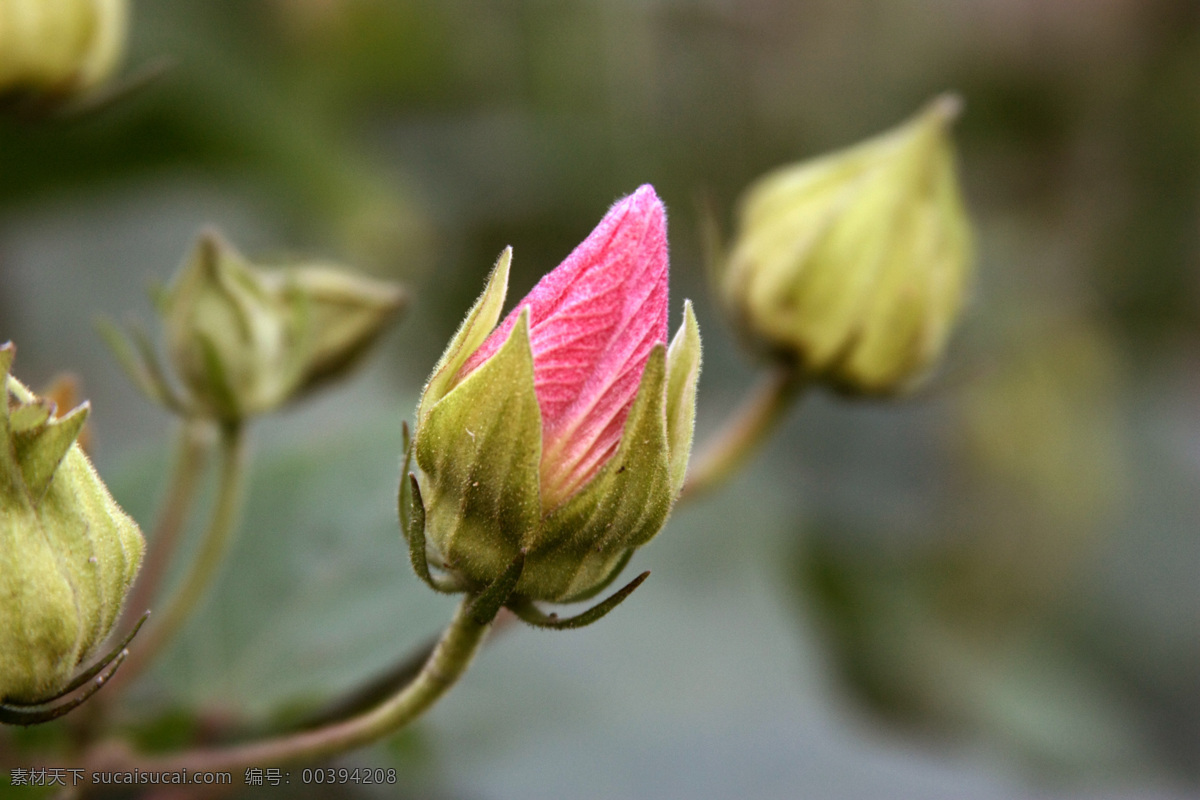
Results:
[203, 569]
[448, 662]
[190, 459]
[744, 431]
[391, 681]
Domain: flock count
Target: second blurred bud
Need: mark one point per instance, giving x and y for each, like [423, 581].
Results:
[852, 267]
[245, 340]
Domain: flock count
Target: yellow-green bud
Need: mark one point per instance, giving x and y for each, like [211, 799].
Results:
[68, 554]
[853, 265]
[245, 340]
[60, 46]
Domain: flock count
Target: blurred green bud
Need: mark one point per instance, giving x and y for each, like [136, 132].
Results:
[59, 47]
[245, 340]
[852, 266]
[344, 314]
[68, 554]
[558, 439]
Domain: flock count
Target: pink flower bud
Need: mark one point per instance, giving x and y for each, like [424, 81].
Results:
[556, 442]
[592, 324]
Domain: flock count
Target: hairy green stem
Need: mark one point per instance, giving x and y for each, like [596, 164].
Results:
[203, 569]
[744, 431]
[445, 665]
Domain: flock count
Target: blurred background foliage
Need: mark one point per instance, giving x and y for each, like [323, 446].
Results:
[987, 590]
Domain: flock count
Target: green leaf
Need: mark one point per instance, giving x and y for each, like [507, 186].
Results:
[475, 328]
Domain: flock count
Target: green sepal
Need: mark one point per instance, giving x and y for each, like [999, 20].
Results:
[96, 541]
[405, 492]
[683, 373]
[226, 270]
[40, 628]
[414, 530]
[479, 450]
[488, 603]
[918, 298]
[591, 591]
[412, 522]
[217, 379]
[343, 316]
[532, 615]
[622, 507]
[37, 597]
[154, 368]
[8, 352]
[480, 321]
[40, 451]
[12, 490]
[26, 417]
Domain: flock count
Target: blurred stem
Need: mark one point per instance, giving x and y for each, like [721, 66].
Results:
[447, 663]
[742, 433]
[389, 682]
[212, 553]
[190, 459]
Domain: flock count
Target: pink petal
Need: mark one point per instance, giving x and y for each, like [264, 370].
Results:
[593, 322]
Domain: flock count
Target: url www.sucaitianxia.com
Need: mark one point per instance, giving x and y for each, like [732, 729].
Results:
[63, 776]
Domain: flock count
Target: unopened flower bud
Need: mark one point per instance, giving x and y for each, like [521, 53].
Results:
[57, 47]
[245, 340]
[852, 266]
[68, 554]
[563, 433]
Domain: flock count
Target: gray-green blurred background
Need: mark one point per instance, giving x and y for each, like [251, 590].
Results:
[988, 590]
